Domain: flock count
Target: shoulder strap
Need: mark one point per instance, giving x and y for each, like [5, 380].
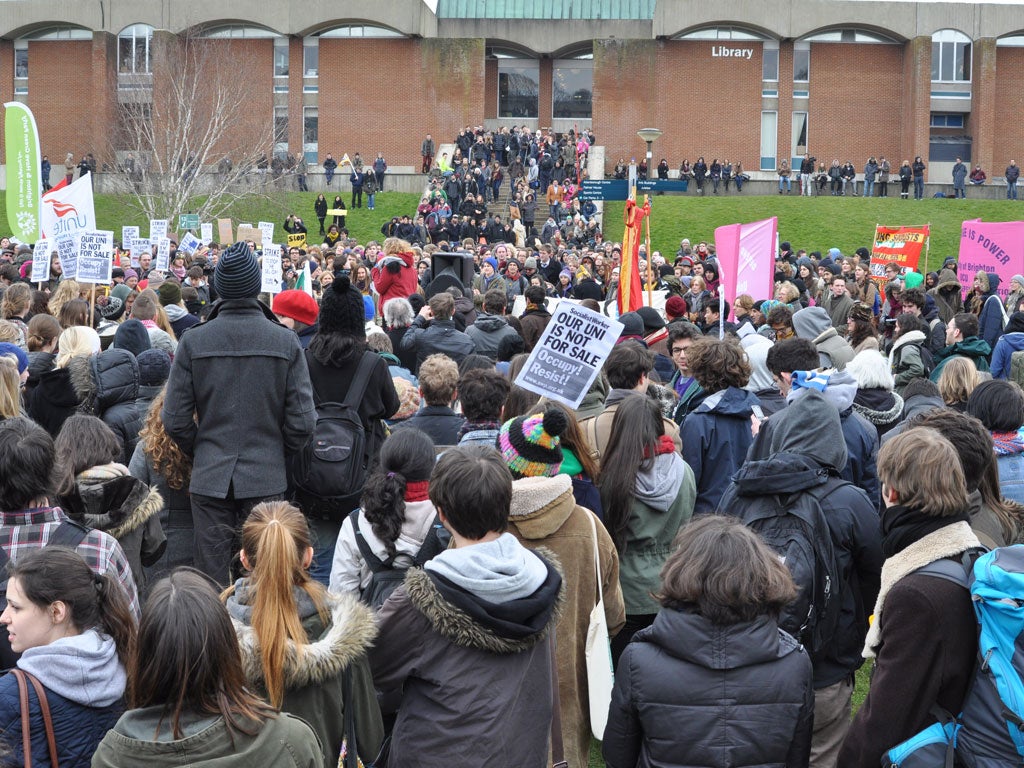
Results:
[361, 380]
[426, 553]
[44, 706]
[68, 534]
[959, 573]
[375, 563]
[26, 723]
[597, 558]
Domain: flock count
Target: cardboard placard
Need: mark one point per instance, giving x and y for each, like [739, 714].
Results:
[337, 212]
[297, 240]
[224, 232]
[271, 269]
[95, 257]
[41, 262]
[248, 232]
[569, 354]
[267, 230]
[163, 255]
[67, 252]
[157, 228]
[142, 245]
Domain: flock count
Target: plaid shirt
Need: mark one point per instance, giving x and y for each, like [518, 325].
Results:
[32, 528]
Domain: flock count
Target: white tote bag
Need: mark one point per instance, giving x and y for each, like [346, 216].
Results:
[600, 676]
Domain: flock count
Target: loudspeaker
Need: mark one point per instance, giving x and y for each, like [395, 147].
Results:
[450, 269]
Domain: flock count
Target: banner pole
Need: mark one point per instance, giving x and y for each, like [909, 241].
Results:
[927, 247]
[92, 306]
[650, 298]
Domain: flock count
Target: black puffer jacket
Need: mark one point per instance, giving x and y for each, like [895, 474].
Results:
[52, 400]
[107, 385]
[691, 693]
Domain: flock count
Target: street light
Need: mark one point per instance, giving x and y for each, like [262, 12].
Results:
[650, 135]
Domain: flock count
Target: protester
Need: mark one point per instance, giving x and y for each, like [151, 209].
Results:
[439, 378]
[999, 405]
[958, 380]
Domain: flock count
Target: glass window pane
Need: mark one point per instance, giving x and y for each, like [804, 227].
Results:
[125, 54]
[281, 124]
[770, 64]
[310, 125]
[571, 91]
[518, 91]
[963, 62]
[280, 58]
[801, 66]
[799, 134]
[769, 139]
[936, 56]
[21, 62]
[311, 59]
[946, 65]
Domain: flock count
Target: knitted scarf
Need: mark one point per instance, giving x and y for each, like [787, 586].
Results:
[1007, 443]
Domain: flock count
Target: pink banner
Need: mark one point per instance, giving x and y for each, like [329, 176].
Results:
[746, 258]
[992, 246]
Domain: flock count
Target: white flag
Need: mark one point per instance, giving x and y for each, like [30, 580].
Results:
[68, 210]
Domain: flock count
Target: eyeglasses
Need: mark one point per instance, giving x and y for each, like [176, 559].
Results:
[678, 351]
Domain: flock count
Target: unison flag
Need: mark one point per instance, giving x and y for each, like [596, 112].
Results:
[24, 185]
[746, 258]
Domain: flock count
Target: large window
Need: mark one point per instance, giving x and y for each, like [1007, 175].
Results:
[801, 62]
[721, 33]
[281, 57]
[518, 87]
[769, 139]
[770, 62]
[850, 35]
[951, 57]
[799, 136]
[281, 130]
[572, 88]
[133, 50]
[311, 57]
[360, 30]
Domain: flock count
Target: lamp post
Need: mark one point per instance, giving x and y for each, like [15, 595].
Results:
[649, 135]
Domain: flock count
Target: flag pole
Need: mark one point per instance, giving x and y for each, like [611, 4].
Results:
[92, 306]
[650, 296]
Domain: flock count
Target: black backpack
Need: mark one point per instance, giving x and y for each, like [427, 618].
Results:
[388, 575]
[796, 528]
[68, 534]
[328, 474]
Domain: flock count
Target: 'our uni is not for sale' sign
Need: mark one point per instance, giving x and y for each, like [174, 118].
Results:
[569, 354]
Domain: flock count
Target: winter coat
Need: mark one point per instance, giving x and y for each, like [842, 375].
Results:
[918, 168]
[487, 333]
[440, 336]
[948, 295]
[84, 684]
[924, 639]
[111, 500]
[282, 741]
[442, 654]
[905, 359]
[314, 673]
[853, 526]
[240, 342]
[973, 348]
[440, 422]
[884, 409]
[175, 515]
[989, 309]
[38, 364]
[545, 514]
[107, 385]
[814, 323]
[390, 285]
[715, 437]
[598, 429]
[52, 401]
[692, 693]
[534, 321]
[959, 176]
[1008, 344]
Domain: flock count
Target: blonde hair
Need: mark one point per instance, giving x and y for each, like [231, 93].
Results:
[924, 469]
[395, 245]
[10, 387]
[74, 341]
[66, 291]
[958, 379]
[17, 299]
[275, 540]
[9, 332]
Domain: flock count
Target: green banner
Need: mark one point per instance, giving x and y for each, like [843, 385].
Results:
[24, 187]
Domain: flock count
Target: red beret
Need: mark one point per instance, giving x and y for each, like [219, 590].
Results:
[675, 307]
[298, 305]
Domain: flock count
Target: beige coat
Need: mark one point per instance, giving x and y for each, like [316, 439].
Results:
[544, 514]
[598, 429]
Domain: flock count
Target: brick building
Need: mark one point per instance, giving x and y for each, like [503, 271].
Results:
[749, 82]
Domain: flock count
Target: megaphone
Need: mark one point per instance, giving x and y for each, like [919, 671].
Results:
[450, 269]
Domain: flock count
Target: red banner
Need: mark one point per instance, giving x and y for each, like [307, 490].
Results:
[897, 245]
[631, 296]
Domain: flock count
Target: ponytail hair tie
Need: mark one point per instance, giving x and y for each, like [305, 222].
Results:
[391, 474]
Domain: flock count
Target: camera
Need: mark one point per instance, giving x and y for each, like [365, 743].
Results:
[890, 322]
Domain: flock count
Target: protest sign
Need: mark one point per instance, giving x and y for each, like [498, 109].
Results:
[994, 247]
[189, 243]
[95, 254]
[142, 245]
[899, 245]
[67, 252]
[271, 269]
[297, 240]
[41, 262]
[206, 233]
[569, 354]
[267, 231]
[128, 237]
[157, 229]
[248, 232]
[337, 212]
[224, 232]
[68, 210]
[746, 258]
[163, 255]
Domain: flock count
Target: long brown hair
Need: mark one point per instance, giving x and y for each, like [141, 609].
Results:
[187, 658]
[275, 540]
[168, 459]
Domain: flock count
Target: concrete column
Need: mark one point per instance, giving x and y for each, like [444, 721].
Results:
[982, 123]
[544, 93]
[915, 100]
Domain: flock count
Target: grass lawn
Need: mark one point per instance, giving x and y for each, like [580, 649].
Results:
[113, 212]
[816, 223]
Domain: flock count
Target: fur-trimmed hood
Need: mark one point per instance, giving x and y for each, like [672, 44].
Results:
[104, 380]
[541, 505]
[907, 338]
[351, 632]
[464, 620]
[879, 406]
[116, 503]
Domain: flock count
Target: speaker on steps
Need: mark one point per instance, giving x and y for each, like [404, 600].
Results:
[450, 269]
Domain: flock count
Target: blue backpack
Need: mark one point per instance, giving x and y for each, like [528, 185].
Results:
[989, 732]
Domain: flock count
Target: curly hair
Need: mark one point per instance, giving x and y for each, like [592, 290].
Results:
[718, 364]
[168, 460]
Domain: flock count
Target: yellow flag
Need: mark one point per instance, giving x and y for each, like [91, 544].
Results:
[345, 160]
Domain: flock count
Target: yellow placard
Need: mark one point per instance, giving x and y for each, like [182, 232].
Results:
[345, 160]
[337, 212]
[297, 240]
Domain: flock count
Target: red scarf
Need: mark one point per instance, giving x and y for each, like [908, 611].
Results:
[664, 445]
[416, 490]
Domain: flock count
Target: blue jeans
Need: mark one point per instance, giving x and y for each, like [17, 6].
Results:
[869, 187]
[918, 187]
[1011, 190]
[325, 536]
[369, 200]
[784, 181]
[739, 183]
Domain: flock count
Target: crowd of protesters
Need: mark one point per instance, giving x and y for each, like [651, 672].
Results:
[156, 427]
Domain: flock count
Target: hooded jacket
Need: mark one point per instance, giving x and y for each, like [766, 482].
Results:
[545, 514]
[692, 693]
[948, 295]
[487, 332]
[474, 622]
[313, 677]
[801, 458]
[716, 437]
[52, 400]
[973, 348]
[439, 336]
[107, 385]
[989, 308]
[84, 682]
[1008, 344]
[815, 324]
[906, 360]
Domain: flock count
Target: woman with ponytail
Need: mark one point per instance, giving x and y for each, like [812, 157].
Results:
[396, 513]
[648, 493]
[75, 632]
[298, 642]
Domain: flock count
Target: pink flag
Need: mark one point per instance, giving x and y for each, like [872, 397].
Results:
[991, 246]
[746, 259]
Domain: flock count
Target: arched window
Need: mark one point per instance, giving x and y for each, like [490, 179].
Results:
[360, 30]
[239, 31]
[951, 57]
[133, 50]
[851, 35]
[722, 33]
[1011, 41]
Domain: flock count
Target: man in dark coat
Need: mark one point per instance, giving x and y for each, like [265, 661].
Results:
[536, 317]
[238, 402]
[433, 331]
[439, 377]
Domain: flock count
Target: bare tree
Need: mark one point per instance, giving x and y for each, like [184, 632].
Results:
[196, 144]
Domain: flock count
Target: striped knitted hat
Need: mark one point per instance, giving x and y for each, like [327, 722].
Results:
[238, 274]
[530, 445]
